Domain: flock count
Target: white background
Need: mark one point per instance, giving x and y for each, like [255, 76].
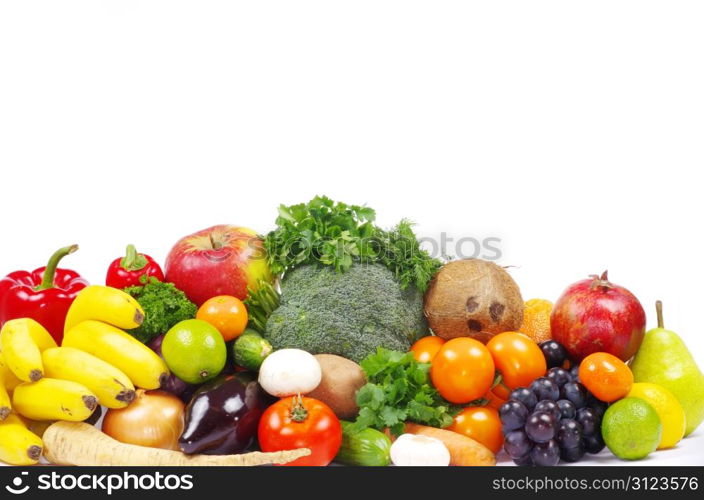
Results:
[571, 130]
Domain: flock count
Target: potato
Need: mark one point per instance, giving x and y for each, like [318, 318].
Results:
[341, 380]
[473, 298]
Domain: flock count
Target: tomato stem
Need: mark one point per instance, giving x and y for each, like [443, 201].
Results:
[298, 411]
[498, 379]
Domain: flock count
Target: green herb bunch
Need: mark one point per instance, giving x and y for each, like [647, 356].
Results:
[164, 305]
[398, 389]
[338, 235]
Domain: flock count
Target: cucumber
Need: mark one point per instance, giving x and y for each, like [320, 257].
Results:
[367, 448]
[250, 349]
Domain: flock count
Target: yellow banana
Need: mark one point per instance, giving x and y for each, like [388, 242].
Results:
[106, 304]
[112, 387]
[22, 342]
[5, 403]
[142, 365]
[7, 378]
[54, 399]
[18, 446]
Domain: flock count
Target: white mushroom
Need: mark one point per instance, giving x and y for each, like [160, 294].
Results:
[411, 449]
[289, 372]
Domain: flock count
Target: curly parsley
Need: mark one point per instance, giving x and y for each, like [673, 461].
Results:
[164, 305]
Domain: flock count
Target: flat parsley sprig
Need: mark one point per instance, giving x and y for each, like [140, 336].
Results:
[398, 389]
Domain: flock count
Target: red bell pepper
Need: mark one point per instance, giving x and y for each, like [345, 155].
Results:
[44, 294]
[127, 271]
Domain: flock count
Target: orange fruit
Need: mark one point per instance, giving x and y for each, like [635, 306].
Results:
[425, 349]
[226, 313]
[536, 320]
[480, 423]
[605, 376]
[495, 400]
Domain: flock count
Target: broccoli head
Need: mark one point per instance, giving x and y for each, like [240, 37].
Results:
[349, 314]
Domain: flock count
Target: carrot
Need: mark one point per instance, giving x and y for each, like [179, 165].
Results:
[464, 451]
[77, 443]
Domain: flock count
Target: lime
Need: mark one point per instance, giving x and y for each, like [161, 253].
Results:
[631, 429]
[668, 409]
[194, 351]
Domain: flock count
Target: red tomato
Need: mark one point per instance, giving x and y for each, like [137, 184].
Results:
[518, 358]
[482, 424]
[462, 370]
[605, 376]
[425, 349]
[299, 422]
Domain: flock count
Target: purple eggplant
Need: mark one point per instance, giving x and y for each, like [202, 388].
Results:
[223, 416]
[173, 384]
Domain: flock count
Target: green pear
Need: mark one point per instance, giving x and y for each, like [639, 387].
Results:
[664, 359]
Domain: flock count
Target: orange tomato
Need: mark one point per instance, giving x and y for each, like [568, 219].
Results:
[425, 349]
[462, 370]
[226, 313]
[605, 376]
[495, 398]
[517, 358]
[481, 424]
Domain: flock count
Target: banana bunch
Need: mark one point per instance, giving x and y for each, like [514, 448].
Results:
[97, 363]
[95, 324]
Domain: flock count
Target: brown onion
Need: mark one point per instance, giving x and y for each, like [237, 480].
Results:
[153, 419]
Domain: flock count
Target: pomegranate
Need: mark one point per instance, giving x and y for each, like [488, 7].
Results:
[595, 315]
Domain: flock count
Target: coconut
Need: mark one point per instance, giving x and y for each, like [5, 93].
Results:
[473, 298]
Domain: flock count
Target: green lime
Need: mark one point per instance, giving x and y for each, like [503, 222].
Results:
[194, 351]
[631, 429]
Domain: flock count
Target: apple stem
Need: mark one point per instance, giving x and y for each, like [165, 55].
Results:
[215, 244]
[658, 309]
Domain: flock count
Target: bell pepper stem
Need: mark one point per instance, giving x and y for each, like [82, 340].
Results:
[50, 270]
[133, 261]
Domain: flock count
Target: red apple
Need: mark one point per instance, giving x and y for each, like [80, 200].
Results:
[220, 260]
[595, 315]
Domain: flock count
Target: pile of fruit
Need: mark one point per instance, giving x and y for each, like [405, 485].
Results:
[329, 339]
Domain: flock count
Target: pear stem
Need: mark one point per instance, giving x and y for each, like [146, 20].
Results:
[658, 309]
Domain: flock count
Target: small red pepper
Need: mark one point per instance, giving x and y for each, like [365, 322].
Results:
[127, 271]
[44, 295]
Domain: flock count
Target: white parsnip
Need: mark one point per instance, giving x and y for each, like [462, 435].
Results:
[76, 443]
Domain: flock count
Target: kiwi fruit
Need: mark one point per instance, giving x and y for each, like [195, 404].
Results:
[473, 298]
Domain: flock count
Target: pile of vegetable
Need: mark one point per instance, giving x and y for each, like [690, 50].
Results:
[329, 339]
[347, 285]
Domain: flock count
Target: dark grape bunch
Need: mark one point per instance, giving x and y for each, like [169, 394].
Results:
[555, 418]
